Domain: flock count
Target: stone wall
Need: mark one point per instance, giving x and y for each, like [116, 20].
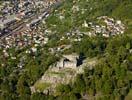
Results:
[68, 61]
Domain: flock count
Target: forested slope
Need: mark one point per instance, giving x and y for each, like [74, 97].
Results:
[110, 79]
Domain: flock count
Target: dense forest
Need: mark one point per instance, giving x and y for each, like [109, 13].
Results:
[110, 79]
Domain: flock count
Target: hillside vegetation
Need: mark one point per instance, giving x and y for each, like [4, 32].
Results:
[109, 79]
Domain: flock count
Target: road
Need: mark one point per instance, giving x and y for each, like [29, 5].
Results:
[23, 26]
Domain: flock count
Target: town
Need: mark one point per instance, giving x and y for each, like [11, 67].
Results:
[65, 49]
[20, 13]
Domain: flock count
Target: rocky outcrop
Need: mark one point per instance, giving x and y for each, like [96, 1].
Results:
[67, 61]
[63, 72]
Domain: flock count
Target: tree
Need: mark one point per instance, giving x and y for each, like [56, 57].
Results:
[122, 53]
[107, 87]
[23, 87]
[61, 89]
[38, 96]
[79, 84]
